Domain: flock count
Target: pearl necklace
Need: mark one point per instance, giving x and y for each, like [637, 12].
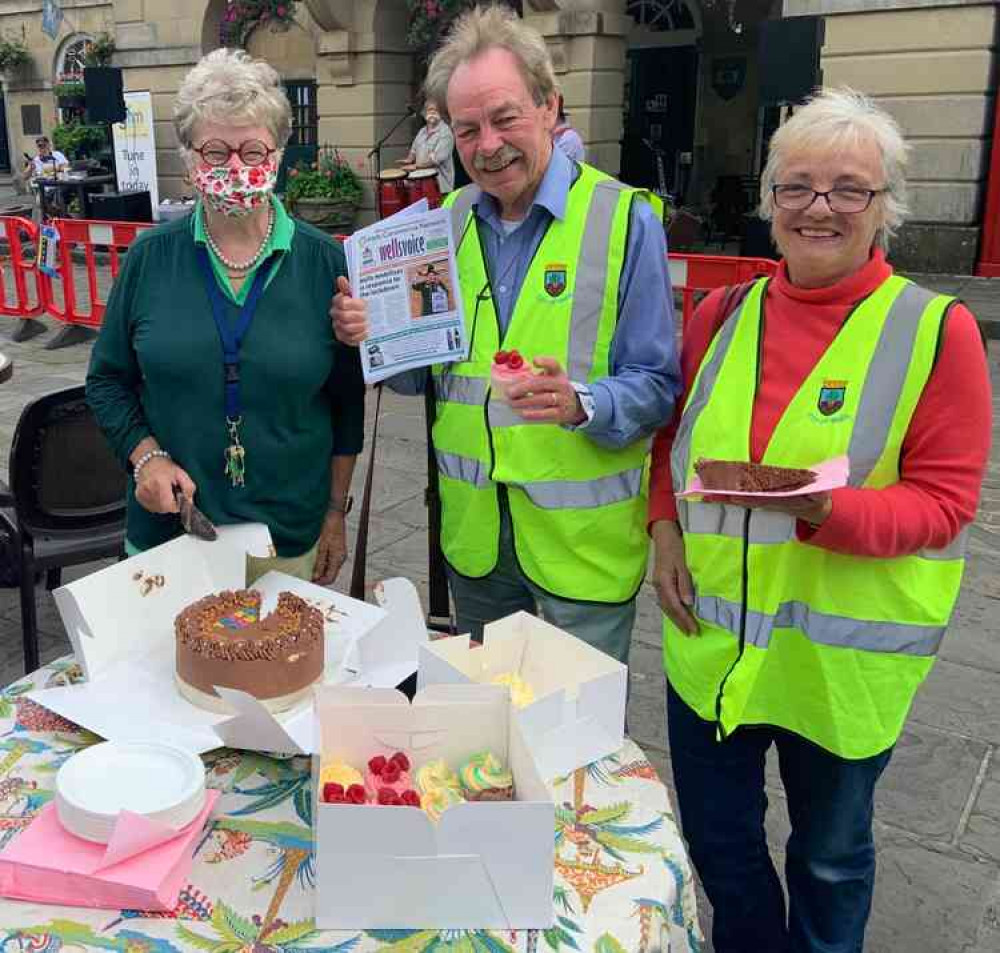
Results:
[247, 265]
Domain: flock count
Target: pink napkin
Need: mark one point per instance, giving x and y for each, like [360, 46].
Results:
[830, 475]
[143, 867]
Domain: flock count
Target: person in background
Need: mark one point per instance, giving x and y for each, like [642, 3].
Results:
[432, 149]
[216, 374]
[566, 137]
[48, 163]
[543, 496]
[808, 622]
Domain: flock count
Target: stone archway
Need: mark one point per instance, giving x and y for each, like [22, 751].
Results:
[662, 94]
[365, 77]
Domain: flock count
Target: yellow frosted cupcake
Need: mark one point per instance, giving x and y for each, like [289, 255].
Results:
[339, 772]
[436, 801]
[436, 774]
[521, 692]
[484, 778]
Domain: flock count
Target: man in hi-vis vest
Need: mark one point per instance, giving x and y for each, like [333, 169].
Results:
[543, 494]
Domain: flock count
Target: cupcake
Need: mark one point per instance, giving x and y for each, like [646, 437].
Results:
[387, 774]
[340, 773]
[339, 783]
[508, 368]
[437, 774]
[521, 692]
[436, 801]
[484, 778]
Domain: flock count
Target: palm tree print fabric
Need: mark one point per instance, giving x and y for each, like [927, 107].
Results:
[622, 884]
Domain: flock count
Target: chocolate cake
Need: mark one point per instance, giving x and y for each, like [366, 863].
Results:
[750, 477]
[221, 640]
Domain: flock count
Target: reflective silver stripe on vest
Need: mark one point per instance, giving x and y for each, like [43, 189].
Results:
[954, 550]
[884, 381]
[681, 454]
[591, 279]
[821, 628]
[467, 196]
[459, 389]
[715, 520]
[465, 469]
[501, 415]
[582, 495]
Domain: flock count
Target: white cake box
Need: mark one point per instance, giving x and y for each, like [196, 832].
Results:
[120, 621]
[485, 865]
[578, 715]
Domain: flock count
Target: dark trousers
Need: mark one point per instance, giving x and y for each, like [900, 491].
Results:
[830, 855]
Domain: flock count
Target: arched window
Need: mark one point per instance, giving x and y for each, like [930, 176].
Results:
[70, 61]
[660, 16]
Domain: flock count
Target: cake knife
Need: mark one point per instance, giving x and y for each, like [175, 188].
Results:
[192, 519]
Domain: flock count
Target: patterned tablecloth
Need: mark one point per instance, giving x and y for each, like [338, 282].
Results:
[622, 882]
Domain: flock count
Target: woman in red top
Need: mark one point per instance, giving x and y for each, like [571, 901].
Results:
[834, 190]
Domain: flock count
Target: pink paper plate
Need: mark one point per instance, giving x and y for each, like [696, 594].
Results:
[830, 475]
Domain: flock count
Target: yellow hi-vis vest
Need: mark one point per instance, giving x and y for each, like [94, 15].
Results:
[578, 510]
[832, 647]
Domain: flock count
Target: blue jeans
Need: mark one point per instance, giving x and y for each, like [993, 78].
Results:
[507, 590]
[830, 855]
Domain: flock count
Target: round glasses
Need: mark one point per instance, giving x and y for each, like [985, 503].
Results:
[215, 152]
[845, 200]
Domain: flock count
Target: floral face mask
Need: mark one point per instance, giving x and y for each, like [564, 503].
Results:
[236, 189]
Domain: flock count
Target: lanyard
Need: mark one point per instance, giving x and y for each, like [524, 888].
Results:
[231, 336]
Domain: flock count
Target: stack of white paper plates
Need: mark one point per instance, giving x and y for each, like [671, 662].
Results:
[163, 783]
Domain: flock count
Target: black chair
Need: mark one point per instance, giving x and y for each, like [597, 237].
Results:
[66, 502]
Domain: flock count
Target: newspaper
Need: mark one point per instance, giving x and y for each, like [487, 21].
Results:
[404, 267]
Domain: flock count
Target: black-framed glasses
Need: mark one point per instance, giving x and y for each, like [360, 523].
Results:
[215, 152]
[845, 200]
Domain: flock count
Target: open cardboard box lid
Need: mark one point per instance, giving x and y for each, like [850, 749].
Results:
[122, 630]
[485, 865]
[578, 715]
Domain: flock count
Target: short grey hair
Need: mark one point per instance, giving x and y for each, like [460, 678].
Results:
[843, 118]
[486, 28]
[229, 86]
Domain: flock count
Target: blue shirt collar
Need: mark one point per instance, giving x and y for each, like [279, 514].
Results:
[551, 195]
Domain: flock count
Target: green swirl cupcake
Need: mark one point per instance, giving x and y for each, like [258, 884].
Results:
[484, 778]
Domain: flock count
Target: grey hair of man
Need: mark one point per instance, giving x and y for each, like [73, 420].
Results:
[839, 120]
[486, 28]
[229, 87]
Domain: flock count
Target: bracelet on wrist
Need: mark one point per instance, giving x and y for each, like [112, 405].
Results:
[340, 506]
[144, 459]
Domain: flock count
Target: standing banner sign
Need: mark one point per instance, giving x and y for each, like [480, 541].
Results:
[135, 148]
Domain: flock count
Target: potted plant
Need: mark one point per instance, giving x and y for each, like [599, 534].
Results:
[70, 91]
[77, 140]
[242, 17]
[13, 54]
[99, 50]
[326, 194]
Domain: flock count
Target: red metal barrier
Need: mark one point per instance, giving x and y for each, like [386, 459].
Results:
[21, 298]
[82, 235]
[690, 274]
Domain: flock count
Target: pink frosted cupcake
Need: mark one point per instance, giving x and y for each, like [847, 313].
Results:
[388, 774]
[508, 368]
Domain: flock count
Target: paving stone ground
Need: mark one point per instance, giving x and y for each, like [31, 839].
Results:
[938, 815]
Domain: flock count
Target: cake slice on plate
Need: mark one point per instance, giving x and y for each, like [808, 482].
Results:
[737, 477]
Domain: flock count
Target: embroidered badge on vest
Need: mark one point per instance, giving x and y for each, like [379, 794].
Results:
[831, 397]
[555, 280]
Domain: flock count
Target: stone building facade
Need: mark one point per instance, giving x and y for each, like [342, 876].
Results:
[676, 79]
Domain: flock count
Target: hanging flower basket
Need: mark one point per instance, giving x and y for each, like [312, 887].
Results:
[242, 17]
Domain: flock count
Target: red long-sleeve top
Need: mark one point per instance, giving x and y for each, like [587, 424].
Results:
[944, 453]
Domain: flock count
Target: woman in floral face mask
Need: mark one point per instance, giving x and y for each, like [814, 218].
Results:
[216, 375]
